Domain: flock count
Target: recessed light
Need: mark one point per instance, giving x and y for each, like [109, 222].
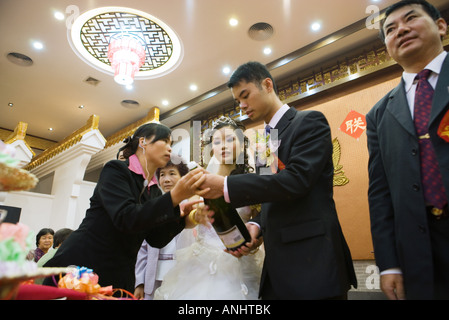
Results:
[233, 22]
[81, 107]
[315, 26]
[50, 129]
[10, 104]
[38, 45]
[165, 102]
[129, 87]
[267, 50]
[226, 70]
[193, 87]
[59, 15]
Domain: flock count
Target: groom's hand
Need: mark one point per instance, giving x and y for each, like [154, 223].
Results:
[249, 247]
[215, 183]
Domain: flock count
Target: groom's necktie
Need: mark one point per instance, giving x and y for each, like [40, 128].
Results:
[267, 130]
[434, 192]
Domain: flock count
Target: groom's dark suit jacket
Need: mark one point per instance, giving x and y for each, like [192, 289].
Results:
[306, 253]
[400, 227]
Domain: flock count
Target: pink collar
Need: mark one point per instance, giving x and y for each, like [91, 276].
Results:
[136, 167]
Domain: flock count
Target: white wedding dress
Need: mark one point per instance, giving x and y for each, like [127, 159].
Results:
[203, 271]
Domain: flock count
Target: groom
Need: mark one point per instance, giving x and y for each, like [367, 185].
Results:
[306, 253]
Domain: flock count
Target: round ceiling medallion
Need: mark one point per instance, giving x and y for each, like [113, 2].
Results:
[92, 32]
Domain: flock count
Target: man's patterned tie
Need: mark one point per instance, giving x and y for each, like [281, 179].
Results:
[434, 192]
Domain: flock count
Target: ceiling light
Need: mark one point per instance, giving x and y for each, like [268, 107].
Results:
[129, 87]
[126, 55]
[59, 15]
[38, 45]
[81, 107]
[193, 87]
[316, 26]
[267, 50]
[165, 102]
[233, 22]
[107, 23]
[50, 129]
[226, 70]
[10, 104]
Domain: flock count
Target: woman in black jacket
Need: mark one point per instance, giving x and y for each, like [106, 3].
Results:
[128, 207]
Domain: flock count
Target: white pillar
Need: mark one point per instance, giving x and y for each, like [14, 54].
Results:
[69, 168]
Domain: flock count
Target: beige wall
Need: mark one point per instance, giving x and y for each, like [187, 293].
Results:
[352, 199]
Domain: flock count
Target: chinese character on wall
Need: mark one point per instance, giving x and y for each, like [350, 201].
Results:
[354, 124]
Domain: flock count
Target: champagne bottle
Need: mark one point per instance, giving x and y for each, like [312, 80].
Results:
[227, 223]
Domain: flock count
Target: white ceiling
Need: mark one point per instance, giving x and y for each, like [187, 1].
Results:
[48, 93]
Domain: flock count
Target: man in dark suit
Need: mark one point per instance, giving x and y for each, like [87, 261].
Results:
[306, 253]
[409, 221]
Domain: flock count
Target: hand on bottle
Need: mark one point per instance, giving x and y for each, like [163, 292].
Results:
[191, 204]
[203, 215]
[212, 187]
[196, 213]
[249, 247]
[188, 186]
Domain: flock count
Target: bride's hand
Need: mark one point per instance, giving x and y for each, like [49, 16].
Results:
[195, 212]
[187, 207]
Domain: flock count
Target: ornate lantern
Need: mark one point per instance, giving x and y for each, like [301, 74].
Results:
[126, 55]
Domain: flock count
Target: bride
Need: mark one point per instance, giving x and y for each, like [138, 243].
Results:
[204, 271]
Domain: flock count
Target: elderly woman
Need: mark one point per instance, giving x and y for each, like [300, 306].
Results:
[153, 263]
[44, 241]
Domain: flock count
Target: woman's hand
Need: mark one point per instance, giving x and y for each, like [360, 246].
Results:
[139, 292]
[195, 212]
[188, 186]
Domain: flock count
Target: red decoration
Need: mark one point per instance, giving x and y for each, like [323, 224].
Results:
[443, 129]
[354, 124]
[126, 55]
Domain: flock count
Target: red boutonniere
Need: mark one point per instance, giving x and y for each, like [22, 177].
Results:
[280, 164]
[443, 129]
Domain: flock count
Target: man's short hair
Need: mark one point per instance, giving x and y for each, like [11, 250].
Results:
[254, 72]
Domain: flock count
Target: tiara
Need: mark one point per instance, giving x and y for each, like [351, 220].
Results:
[224, 120]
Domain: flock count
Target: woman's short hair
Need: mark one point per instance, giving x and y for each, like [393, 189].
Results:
[176, 162]
[43, 232]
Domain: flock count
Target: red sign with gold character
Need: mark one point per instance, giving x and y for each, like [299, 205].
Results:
[354, 124]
